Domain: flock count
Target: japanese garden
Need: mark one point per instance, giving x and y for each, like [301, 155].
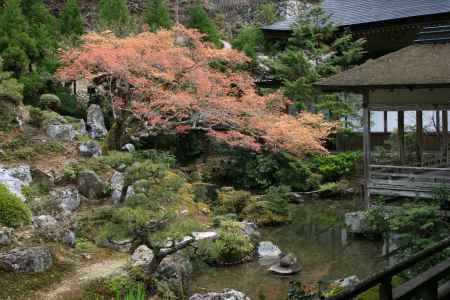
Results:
[224, 149]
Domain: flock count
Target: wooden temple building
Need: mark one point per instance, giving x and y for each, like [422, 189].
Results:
[415, 78]
[387, 25]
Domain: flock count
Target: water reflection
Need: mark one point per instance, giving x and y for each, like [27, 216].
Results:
[318, 238]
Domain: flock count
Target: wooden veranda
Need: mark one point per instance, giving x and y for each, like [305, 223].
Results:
[417, 79]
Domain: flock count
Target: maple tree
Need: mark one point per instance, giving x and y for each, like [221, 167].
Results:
[169, 81]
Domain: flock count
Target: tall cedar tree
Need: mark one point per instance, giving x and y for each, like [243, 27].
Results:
[198, 18]
[315, 50]
[115, 14]
[71, 21]
[157, 15]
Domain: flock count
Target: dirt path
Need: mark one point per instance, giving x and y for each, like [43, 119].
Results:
[83, 276]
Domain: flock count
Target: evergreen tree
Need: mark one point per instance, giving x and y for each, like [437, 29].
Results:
[198, 18]
[157, 15]
[250, 39]
[71, 22]
[115, 14]
[315, 50]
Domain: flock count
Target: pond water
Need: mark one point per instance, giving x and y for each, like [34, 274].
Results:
[318, 238]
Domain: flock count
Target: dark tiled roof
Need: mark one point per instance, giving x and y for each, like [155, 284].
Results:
[354, 12]
[416, 65]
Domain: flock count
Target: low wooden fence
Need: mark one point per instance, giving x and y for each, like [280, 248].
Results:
[407, 181]
[424, 286]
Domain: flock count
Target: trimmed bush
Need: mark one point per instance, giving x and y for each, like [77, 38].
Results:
[336, 166]
[13, 212]
[232, 201]
[50, 101]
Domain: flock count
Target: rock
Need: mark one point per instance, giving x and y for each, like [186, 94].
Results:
[82, 128]
[286, 266]
[86, 256]
[69, 239]
[69, 199]
[15, 178]
[129, 147]
[206, 235]
[267, 250]
[288, 260]
[63, 132]
[223, 295]
[90, 185]
[357, 222]
[28, 260]
[250, 229]
[44, 222]
[176, 268]
[347, 282]
[96, 122]
[6, 236]
[90, 149]
[141, 256]
[130, 192]
[117, 184]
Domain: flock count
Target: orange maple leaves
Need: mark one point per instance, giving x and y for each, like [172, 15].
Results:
[175, 88]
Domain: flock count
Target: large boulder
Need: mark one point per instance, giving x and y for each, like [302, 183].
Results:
[90, 149]
[69, 239]
[63, 132]
[117, 184]
[222, 295]
[16, 178]
[176, 270]
[47, 227]
[27, 260]
[96, 122]
[90, 185]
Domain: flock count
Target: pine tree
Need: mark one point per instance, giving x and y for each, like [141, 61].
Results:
[198, 18]
[157, 15]
[250, 39]
[71, 22]
[115, 14]
[315, 50]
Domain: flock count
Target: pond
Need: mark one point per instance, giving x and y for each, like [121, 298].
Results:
[317, 236]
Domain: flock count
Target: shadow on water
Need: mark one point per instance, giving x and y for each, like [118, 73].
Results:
[317, 236]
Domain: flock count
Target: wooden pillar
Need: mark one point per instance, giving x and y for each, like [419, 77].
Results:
[419, 136]
[438, 121]
[366, 146]
[401, 135]
[386, 128]
[445, 135]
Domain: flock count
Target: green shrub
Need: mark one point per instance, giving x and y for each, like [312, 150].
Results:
[35, 190]
[117, 159]
[336, 166]
[232, 245]
[232, 201]
[25, 153]
[50, 101]
[270, 209]
[71, 21]
[13, 212]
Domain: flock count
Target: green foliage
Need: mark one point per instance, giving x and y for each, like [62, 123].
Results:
[15, 60]
[250, 39]
[115, 14]
[297, 292]
[270, 209]
[10, 88]
[13, 212]
[315, 50]
[232, 201]
[125, 287]
[232, 245]
[441, 195]
[71, 21]
[157, 15]
[121, 159]
[266, 14]
[336, 166]
[35, 190]
[198, 18]
[117, 159]
[50, 101]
